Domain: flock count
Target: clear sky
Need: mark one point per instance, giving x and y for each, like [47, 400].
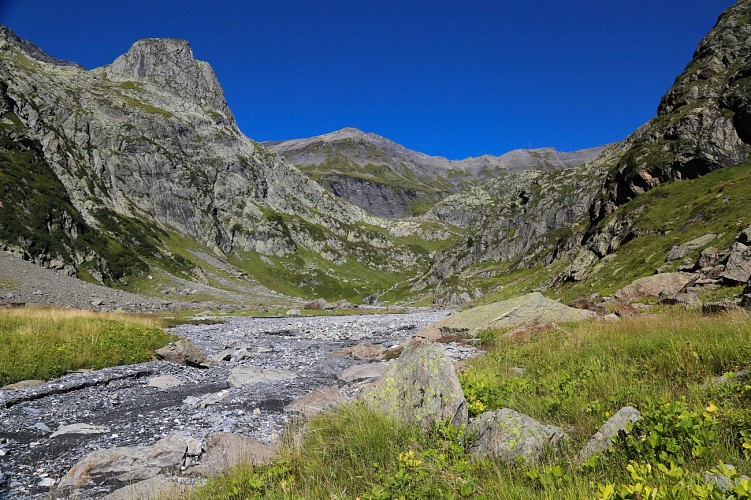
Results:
[451, 78]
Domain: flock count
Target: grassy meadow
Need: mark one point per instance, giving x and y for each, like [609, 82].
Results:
[43, 343]
[575, 376]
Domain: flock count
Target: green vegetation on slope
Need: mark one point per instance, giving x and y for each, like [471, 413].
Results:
[43, 343]
[575, 377]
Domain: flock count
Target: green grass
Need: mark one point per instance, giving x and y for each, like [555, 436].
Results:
[44, 343]
[575, 377]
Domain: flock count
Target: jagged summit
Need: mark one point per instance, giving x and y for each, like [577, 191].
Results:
[8, 36]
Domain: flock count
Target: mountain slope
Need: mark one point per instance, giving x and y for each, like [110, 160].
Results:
[387, 179]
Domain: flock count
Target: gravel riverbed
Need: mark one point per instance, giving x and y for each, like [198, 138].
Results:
[135, 413]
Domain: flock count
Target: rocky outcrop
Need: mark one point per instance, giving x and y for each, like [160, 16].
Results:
[508, 436]
[420, 387]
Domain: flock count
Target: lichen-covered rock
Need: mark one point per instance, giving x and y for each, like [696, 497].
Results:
[603, 438]
[184, 352]
[508, 435]
[420, 387]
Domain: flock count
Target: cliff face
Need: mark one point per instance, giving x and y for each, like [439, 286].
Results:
[388, 179]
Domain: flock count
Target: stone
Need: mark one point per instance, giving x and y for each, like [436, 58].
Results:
[508, 435]
[80, 429]
[207, 399]
[738, 267]
[657, 285]
[164, 382]
[744, 236]
[24, 384]
[156, 488]
[46, 482]
[710, 308]
[364, 351]
[725, 477]
[344, 304]
[603, 438]
[41, 426]
[589, 305]
[736, 376]
[420, 387]
[358, 373]
[244, 375]
[293, 312]
[525, 310]
[316, 401]
[680, 251]
[127, 464]
[184, 352]
[225, 450]
[688, 299]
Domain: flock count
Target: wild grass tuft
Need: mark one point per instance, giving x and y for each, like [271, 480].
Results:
[43, 343]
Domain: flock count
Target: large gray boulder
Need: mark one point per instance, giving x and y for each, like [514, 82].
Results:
[128, 465]
[184, 352]
[657, 285]
[603, 438]
[421, 387]
[738, 267]
[508, 435]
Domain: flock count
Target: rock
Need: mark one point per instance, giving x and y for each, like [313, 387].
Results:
[46, 482]
[24, 384]
[155, 488]
[603, 438]
[736, 376]
[315, 402]
[689, 299]
[708, 258]
[372, 299]
[244, 375]
[420, 387]
[738, 267]
[588, 305]
[709, 308]
[225, 450]
[80, 429]
[744, 236]
[430, 332]
[527, 309]
[184, 352]
[508, 435]
[657, 285]
[206, 400]
[97, 302]
[364, 351]
[293, 312]
[358, 373]
[41, 426]
[745, 301]
[319, 304]
[127, 464]
[725, 477]
[679, 251]
[164, 382]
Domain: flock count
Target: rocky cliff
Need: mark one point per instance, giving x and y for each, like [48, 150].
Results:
[388, 179]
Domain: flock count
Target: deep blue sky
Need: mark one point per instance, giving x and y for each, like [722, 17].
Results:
[444, 77]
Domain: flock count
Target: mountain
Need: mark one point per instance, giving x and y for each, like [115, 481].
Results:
[390, 180]
[138, 169]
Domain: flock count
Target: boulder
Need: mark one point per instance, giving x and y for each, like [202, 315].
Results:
[225, 450]
[710, 308]
[738, 267]
[725, 477]
[155, 488]
[525, 310]
[708, 258]
[508, 435]
[206, 399]
[603, 438]
[164, 382]
[184, 352]
[316, 401]
[364, 351]
[358, 373]
[24, 384]
[344, 304]
[657, 285]
[420, 387]
[80, 429]
[679, 251]
[127, 464]
[244, 375]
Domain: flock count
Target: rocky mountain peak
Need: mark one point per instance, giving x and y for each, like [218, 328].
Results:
[9, 37]
[169, 64]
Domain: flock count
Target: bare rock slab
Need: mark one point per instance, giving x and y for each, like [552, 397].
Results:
[421, 387]
[244, 375]
[664, 284]
[225, 450]
[316, 401]
[127, 465]
[508, 435]
[158, 487]
[164, 382]
[80, 429]
[184, 352]
[359, 373]
[603, 438]
[533, 308]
